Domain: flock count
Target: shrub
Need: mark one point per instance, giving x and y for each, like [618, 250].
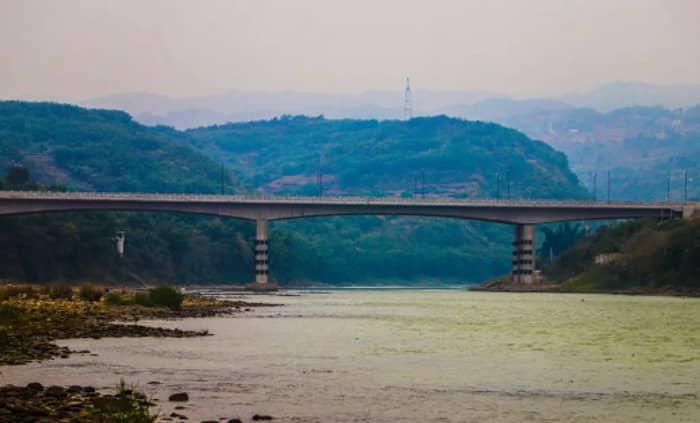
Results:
[90, 292]
[115, 298]
[143, 299]
[17, 291]
[126, 406]
[4, 337]
[112, 299]
[8, 313]
[164, 295]
[9, 317]
[61, 292]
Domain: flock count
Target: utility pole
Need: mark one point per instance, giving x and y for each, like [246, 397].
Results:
[222, 179]
[498, 185]
[408, 101]
[422, 183]
[668, 188]
[415, 186]
[320, 177]
[508, 183]
[595, 186]
[608, 186]
[685, 189]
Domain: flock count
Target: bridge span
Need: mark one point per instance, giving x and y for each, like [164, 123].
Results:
[524, 214]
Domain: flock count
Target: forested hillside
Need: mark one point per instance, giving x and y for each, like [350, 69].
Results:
[368, 157]
[104, 150]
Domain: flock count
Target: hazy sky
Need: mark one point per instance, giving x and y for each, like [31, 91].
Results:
[80, 49]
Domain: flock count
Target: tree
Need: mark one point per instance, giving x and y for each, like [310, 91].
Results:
[559, 239]
[17, 177]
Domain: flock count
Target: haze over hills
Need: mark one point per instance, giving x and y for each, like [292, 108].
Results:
[619, 95]
[239, 106]
[641, 147]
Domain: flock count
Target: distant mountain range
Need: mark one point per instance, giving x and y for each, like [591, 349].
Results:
[241, 106]
[641, 147]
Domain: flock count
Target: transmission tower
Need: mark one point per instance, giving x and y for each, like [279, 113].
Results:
[408, 101]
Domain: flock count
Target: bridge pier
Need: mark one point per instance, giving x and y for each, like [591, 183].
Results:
[523, 254]
[262, 266]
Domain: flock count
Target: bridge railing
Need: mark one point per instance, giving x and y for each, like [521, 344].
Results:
[349, 200]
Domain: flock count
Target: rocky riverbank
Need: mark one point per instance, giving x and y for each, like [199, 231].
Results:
[36, 403]
[84, 404]
[31, 325]
[30, 322]
[505, 285]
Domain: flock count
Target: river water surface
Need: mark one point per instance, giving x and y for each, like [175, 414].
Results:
[414, 355]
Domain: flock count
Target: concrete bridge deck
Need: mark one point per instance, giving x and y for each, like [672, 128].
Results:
[522, 213]
[277, 208]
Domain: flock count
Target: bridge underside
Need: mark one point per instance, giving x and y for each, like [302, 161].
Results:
[523, 214]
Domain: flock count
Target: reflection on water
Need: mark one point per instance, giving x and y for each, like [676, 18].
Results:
[427, 355]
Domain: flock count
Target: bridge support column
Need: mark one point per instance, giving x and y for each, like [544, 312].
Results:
[523, 254]
[262, 266]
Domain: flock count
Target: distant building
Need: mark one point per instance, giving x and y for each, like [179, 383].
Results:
[607, 258]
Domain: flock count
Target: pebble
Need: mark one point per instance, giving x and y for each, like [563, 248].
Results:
[36, 386]
[55, 391]
[74, 388]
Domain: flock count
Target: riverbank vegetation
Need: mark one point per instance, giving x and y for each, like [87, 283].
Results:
[643, 256]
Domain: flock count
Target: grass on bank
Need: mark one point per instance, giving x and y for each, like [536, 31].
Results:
[10, 317]
[13, 318]
[160, 296]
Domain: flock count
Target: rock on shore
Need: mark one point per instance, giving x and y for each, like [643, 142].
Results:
[36, 403]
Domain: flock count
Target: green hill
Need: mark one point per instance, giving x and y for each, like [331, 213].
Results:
[106, 150]
[457, 158]
[101, 150]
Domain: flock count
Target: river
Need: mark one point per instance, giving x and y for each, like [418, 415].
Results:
[414, 355]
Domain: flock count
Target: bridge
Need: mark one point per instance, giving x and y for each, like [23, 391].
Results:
[523, 214]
